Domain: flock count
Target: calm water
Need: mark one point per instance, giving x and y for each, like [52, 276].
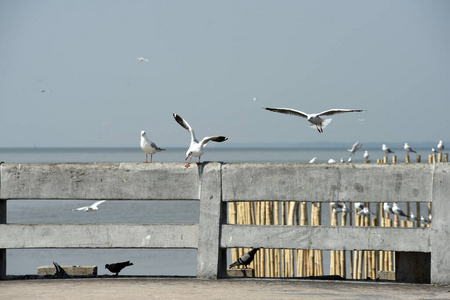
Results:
[146, 261]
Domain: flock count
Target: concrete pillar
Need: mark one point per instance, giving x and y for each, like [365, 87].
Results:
[211, 259]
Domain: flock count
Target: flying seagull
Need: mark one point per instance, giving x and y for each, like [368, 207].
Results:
[245, 259]
[408, 148]
[148, 147]
[386, 149]
[196, 148]
[142, 59]
[356, 146]
[117, 267]
[90, 208]
[314, 119]
[440, 146]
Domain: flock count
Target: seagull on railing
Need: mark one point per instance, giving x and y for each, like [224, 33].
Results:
[93, 207]
[245, 259]
[149, 147]
[386, 149]
[387, 208]
[365, 212]
[398, 211]
[412, 217]
[366, 156]
[344, 209]
[359, 206]
[408, 148]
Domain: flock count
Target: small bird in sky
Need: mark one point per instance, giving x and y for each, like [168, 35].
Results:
[93, 207]
[356, 146]
[314, 119]
[117, 267]
[386, 149]
[196, 148]
[143, 59]
[366, 156]
[408, 148]
[245, 259]
[440, 146]
[149, 147]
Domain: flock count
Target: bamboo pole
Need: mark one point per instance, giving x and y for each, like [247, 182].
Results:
[318, 255]
[258, 254]
[263, 251]
[394, 159]
[446, 157]
[342, 265]
[418, 158]
[302, 253]
[277, 254]
[440, 157]
[333, 216]
[232, 220]
[407, 158]
[373, 271]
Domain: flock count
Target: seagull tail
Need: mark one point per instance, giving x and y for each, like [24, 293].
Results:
[326, 122]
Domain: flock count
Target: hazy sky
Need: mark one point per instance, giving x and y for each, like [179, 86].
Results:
[208, 60]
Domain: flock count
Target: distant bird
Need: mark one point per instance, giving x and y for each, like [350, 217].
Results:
[386, 149]
[313, 160]
[331, 161]
[93, 207]
[149, 147]
[342, 160]
[142, 59]
[412, 217]
[196, 148]
[117, 267]
[359, 206]
[314, 119]
[440, 146]
[366, 156]
[336, 205]
[365, 212]
[343, 209]
[349, 159]
[356, 146]
[398, 211]
[434, 150]
[60, 273]
[408, 148]
[425, 219]
[245, 259]
[387, 208]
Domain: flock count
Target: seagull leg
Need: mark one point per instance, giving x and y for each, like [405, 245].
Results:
[146, 157]
[188, 163]
[199, 163]
[151, 158]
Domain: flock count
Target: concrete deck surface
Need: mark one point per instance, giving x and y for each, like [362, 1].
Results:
[191, 288]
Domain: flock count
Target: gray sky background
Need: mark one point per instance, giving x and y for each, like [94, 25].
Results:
[208, 60]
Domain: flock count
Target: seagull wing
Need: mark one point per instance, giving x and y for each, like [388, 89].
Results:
[156, 147]
[186, 126]
[83, 208]
[218, 139]
[331, 112]
[288, 111]
[97, 203]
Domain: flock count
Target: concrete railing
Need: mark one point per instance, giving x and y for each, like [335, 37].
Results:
[215, 184]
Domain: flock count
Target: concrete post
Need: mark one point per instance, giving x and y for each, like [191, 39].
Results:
[211, 259]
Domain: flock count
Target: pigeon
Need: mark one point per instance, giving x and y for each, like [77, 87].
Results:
[386, 149]
[314, 119]
[356, 146]
[196, 148]
[117, 267]
[398, 211]
[408, 148]
[60, 273]
[245, 259]
[149, 147]
[440, 146]
[93, 207]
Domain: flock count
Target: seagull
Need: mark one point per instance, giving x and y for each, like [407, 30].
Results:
[359, 206]
[336, 205]
[349, 159]
[356, 146]
[142, 59]
[412, 217]
[408, 148]
[331, 161]
[440, 146]
[386, 149]
[365, 212]
[425, 219]
[434, 150]
[398, 211]
[196, 148]
[314, 119]
[387, 208]
[366, 156]
[90, 208]
[245, 259]
[313, 160]
[117, 267]
[148, 147]
[344, 209]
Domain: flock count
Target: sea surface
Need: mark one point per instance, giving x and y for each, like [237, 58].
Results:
[180, 262]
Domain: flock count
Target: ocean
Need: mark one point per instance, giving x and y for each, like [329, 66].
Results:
[151, 262]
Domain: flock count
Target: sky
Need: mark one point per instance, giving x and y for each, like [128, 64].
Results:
[69, 74]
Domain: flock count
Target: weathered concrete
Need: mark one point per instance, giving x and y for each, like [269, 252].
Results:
[240, 273]
[70, 270]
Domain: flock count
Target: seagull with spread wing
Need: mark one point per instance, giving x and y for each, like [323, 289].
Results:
[196, 148]
[314, 119]
[93, 207]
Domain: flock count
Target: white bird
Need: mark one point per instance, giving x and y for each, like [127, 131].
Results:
[398, 211]
[386, 149]
[93, 207]
[313, 160]
[359, 206]
[349, 159]
[196, 148]
[149, 147]
[412, 217]
[387, 208]
[425, 219]
[342, 160]
[408, 148]
[356, 146]
[440, 146]
[331, 161]
[336, 205]
[365, 212]
[344, 209]
[314, 119]
[146, 240]
[366, 156]
[142, 59]
[434, 150]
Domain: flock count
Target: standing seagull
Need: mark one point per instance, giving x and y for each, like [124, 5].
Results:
[356, 146]
[387, 208]
[366, 156]
[315, 119]
[440, 146]
[386, 149]
[408, 148]
[245, 259]
[148, 147]
[93, 207]
[196, 148]
[398, 211]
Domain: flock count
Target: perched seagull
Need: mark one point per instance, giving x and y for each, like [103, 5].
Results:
[90, 208]
[387, 208]
[342, 160]
[398, 211]
[408, 148]
[434, 150]
[349, 159]
[344, 209]
[313, 160]
[148, 147]
[366, 156]
[412, 217]
[425, 219]
[314, 119]
[386, 149]
[365, 212]
[359, 206]
[196, 148]
[336, 205]
[245, 259]
[356, 146]
[331, 161]
[440, 146]
[142, 59]
[117, 267]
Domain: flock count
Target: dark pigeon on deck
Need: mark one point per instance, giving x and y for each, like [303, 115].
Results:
[117, 267]
[245, 259]
[60, 273]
